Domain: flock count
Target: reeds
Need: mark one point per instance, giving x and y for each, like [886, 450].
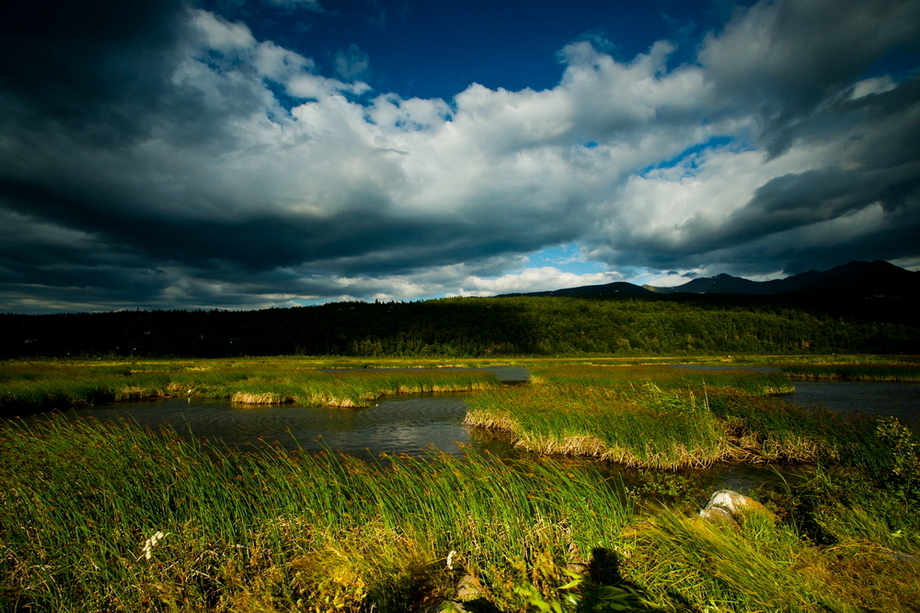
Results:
[107, 517]
[631, 426]
[104, 517]
[659, 417]
[761, 566]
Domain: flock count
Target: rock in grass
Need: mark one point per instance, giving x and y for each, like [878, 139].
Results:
[468, 589]
[719, 516]
[468, 599]
[729, 507]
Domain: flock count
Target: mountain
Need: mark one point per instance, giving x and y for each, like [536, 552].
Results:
[866, 278]
[877, 278]
[720, 284]
[591, 291]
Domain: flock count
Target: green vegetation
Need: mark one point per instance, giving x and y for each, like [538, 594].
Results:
[660, 417]
[864, 558]
[483, 327]
[854, 372]
[106, 517]
[35, 387]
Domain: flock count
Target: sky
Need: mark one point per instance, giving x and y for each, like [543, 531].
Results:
[247, 154]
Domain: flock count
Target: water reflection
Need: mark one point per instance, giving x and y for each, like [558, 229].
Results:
[901, 400]
[415, 424]
[407, 424]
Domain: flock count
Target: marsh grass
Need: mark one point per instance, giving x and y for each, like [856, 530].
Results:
[854, 372]
[635, 427]
[761, 566]
[845, 540]
[42, 386]
[866, 530]
[659, 417]
[105, 517]
[651, 416]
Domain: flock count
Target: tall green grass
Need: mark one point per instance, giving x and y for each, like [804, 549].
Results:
[692, 564]
[105, 517]
[631, 426]
[652, 416]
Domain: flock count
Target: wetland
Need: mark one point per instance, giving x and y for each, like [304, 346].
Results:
[575, 491]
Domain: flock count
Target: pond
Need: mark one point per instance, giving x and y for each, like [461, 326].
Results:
[901, 400]
[414, 424]
[408, 424]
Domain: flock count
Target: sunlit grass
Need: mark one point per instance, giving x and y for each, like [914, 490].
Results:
[105, 517]
[41, 386]
[854, 372]
[649, 416]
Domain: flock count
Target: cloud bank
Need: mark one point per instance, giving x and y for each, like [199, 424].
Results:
[161, 156]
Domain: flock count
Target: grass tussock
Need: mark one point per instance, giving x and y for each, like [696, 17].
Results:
[654, 416]
[659, 417]
[759, 567]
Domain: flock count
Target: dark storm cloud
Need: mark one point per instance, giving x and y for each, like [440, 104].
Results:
[161, 155]
[795, 201]
[85, 65]
[785, 60]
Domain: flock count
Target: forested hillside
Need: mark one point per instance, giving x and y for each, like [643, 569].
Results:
[481, 327]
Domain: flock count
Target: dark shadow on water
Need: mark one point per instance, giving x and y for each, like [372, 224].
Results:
[901, 400]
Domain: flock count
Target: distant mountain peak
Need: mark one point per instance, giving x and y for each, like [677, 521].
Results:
[878, 277]
[865, 278]
[618, 288]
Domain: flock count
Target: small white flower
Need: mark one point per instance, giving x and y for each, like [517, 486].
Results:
[150, 543]
[450, 559]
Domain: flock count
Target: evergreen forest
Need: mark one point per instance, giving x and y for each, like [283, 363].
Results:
[480, 327]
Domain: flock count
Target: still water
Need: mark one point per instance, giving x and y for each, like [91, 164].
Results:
[408, 424]
[901, 400]
[414, 424]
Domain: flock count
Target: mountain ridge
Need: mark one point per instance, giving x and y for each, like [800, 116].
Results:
[856, 277]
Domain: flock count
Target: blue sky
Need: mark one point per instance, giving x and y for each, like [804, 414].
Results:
[254, 153]
[436, 49]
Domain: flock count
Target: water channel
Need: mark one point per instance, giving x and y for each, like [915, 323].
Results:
[415, 424]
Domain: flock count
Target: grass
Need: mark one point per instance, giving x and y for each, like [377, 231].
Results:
[630, 427]
[657, 417]
[36, 387]
[107, 517]
[854, 372]
[100, 517]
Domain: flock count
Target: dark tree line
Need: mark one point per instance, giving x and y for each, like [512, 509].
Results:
[478, 327]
